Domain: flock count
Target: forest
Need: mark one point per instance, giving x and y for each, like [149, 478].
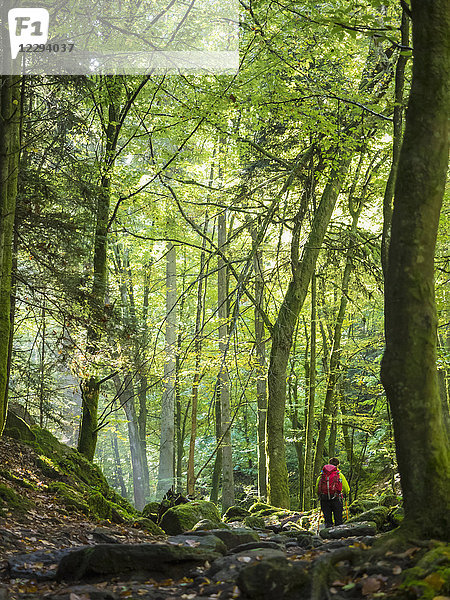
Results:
[212, 283]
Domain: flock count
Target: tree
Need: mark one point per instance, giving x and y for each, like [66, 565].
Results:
[10, 109]
[409, 372]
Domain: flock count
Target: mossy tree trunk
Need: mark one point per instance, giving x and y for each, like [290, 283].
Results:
[282, 335]
[409, 372]
[9, 165]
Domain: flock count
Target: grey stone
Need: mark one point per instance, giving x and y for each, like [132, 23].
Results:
[210, 543]
[255, 545]
[158, 561]
[227, 567]
[233, 537]
[273, 579]
[349, 530]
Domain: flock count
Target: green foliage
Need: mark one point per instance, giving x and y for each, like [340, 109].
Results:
[11, 500]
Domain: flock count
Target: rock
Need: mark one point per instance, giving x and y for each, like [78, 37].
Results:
[151, 510]
[377, 514]
[257, 545]
[361, 505]
[210, 543]
[183, 517]
[207, 525]
[157, 561]
[233, 537]
[3, 593]
[148, 525]
[227, 567]
[304, 539]
[349, 530]
[235, 513]
[255, 522]
[40, 565]
[17, 428]
[83, 591]
[273, 579]
[397, 516]
[258, 506]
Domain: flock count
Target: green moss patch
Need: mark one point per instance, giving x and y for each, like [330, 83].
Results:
[183, 517]
[69, 496]
[431, 575]
[11, 500]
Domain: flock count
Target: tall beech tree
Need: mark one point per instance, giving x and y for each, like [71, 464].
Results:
[409, 372]
[9, 166]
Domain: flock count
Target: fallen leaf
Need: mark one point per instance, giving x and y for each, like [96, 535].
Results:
[435, 580]
[333, 590]
[397, 570]
[370, 585]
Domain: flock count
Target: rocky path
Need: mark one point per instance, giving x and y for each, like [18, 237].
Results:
[106, 563]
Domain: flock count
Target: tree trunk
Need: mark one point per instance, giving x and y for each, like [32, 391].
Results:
[224, 380]
[409, 373]
[261, 384]
[308, 483]
[282, 333]
[90, 387]
[118, 466]
[167, 445]
[125, 395]
[396, 142]
[196, 378]
[9, 165]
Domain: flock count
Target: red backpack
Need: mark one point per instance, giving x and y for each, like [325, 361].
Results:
[330, 483]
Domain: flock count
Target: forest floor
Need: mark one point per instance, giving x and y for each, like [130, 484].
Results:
[32, 541]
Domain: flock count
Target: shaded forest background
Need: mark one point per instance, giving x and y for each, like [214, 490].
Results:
[198, 260]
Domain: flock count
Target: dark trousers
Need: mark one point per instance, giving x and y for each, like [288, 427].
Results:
[332, 507]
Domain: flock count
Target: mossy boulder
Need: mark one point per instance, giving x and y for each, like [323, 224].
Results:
[151, 510]
[390, 499]
[148, 525]
[361, 505]
[377, 514]
[11, 500]
[259, 506]
[17, 428]
[102, 508]
[208, 525]
[235, 513]
[183, 517]
[22, 481]
[396, 516]
[254, 521]
[69, 496]
[274, 578]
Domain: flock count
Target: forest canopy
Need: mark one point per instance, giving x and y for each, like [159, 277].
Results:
[194, 264]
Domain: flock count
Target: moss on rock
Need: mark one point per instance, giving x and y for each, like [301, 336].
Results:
[183, 517]
[258, 506]
[69, 496]
[151, 510]
[430, 578]
[254, 521]
[148, 525]
[18, 429]
[11, 500]
[377, 514]
[235, 513]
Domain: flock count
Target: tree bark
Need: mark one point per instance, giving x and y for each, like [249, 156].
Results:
[308, 483]
[261, 382]
[409, 372]
[90, 387]
[282, 334]
[9, 165]
[224, 379]
[167, 444]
